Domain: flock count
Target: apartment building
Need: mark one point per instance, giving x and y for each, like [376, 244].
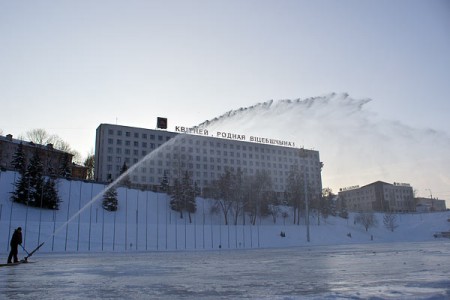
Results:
[379, 196]
[430, 204]
[52, 159]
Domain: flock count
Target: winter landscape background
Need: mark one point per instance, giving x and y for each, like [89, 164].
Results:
[145, 251]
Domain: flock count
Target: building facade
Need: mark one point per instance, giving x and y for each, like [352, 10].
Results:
[206, 158]
[379, 197]
[430, 204]
[52, 159]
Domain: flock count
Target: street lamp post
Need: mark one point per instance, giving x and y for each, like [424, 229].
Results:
[303, 155]
[431, 198]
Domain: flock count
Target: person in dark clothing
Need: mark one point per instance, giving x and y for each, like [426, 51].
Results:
[16, 240]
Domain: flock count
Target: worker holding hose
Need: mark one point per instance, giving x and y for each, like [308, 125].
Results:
[16, 240]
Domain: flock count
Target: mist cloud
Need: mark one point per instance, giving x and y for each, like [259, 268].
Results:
[356, 145]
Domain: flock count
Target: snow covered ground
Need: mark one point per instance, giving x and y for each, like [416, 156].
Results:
[144, 222]
[145, 251]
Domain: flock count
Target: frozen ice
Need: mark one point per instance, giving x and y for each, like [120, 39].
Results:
[366, 271]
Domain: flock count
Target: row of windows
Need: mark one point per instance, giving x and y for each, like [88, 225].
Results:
[371, 192]
[217, 153]
[195, 140]
[401, 203]
[136, 135]
[371, 199]
[127, 151]
[135, 143]
[189, 165]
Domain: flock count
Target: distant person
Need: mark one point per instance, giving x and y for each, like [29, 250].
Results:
[16, 240]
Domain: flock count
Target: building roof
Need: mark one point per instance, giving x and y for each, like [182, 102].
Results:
[49, 147]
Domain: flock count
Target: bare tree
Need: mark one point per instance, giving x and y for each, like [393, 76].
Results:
[59, 144]
[390, 221]
[367, 219]
[42, 137]
[294, 190]
[258, 193]
[225, 194]
[76, 156]
[327, 206]
[274, 211]
[39, 136]
[239, 200]
[89, 163]
[343, 212]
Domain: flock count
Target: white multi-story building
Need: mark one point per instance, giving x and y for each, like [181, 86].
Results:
[205, 157]
[379, 196]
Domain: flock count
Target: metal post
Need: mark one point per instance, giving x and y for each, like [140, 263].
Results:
[90, 220]
[146, 221]
[137, 219]
[306, 204]
[68, 214]
[79, 218]
[303, 155]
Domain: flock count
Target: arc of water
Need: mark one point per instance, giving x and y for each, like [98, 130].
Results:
[114, 183]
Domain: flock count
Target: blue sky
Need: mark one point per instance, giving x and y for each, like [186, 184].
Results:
[67, 66]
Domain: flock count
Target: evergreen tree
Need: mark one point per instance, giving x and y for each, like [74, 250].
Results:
[164, 185]
[125, 181]
[188, 193]
[176, 202]
[35, 172]
[110, 202]
[19, 161]
[29, 188]
[197, 190]
[64, 168]
[20, 193]
[36, 180]
[51, 199]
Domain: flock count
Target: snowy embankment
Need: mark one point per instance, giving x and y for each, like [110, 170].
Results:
[144, 222]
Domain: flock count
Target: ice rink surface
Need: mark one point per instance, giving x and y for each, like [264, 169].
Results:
[369, 271]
